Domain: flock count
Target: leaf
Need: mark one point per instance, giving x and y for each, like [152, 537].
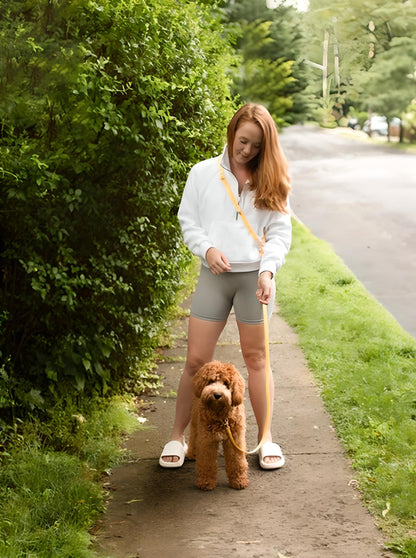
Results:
[52, 374]
[79, 381]
[87, 364]
[35, 398]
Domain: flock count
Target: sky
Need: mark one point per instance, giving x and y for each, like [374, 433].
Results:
[301, 5]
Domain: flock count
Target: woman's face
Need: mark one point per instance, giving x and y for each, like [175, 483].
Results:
[247, 142]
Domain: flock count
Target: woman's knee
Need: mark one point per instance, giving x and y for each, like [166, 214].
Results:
[255, 360]
[193, 364]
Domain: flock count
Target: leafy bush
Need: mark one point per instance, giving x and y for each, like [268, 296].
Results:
[104, 106]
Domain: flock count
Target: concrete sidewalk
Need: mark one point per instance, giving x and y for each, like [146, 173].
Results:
[308, 509]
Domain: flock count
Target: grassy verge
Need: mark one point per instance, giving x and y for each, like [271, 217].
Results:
[365, 364]
[358, 135]
[50, 498]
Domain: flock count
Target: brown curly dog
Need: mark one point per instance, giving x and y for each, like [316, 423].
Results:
[218, 396]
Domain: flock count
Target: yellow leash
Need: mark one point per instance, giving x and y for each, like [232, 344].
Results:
[261, 243]
[268, 402]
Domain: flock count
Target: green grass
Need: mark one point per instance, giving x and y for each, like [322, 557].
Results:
[405, 146]
[365, 364]
[47, 502]
[50, 498]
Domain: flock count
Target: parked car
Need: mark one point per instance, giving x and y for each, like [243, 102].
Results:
[353, 123]
[378, 125]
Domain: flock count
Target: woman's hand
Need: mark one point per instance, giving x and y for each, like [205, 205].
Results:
[217, 261]
[264, 287]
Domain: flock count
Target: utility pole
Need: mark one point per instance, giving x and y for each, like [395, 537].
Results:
[336, 65]
[324, 66]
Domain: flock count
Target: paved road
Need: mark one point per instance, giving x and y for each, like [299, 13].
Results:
[361, 198]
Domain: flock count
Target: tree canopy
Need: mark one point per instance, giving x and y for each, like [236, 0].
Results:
[269, 45]
[374, 45]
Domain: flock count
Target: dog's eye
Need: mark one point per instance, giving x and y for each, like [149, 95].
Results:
[212, 381]
[227, 384]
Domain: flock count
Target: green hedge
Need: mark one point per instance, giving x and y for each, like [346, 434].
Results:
[104, 105]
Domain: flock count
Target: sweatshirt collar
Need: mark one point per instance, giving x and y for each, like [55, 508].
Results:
[225, 161]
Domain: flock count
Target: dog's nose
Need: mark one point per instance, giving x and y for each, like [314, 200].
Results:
[217, 395]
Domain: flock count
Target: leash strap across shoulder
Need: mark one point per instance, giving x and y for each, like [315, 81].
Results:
[261, 243]
[240, 212]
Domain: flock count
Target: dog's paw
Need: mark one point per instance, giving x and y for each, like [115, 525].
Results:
[239, 483]
[206, 485]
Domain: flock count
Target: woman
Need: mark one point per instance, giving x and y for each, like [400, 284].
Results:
[233, 271]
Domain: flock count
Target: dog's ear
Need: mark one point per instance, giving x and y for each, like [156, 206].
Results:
[237, 386]
[200, 380]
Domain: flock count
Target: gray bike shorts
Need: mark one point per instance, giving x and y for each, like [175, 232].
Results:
[215, 295]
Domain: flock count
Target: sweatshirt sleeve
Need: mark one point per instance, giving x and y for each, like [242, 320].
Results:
[278, 240]
[194, 235]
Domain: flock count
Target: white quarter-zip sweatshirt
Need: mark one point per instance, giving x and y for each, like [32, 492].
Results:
[208, 219]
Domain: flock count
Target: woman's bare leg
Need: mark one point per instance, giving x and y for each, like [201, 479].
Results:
[254, 352]
[202, 339]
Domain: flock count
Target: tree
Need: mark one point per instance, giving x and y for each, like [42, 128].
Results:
[269, 46]
[376, 45]
[250, 82]
[389, 86]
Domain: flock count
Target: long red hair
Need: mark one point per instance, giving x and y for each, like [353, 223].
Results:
[269, 177]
